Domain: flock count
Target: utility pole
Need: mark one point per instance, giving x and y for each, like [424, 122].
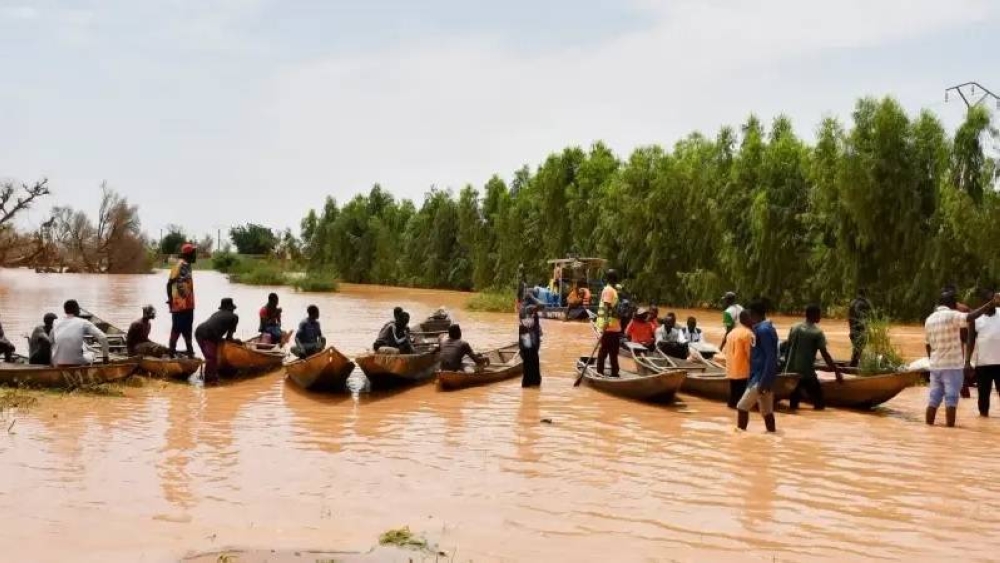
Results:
[970, 88]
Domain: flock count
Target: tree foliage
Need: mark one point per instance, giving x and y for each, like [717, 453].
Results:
[888, 201]
[254, 239]
[173, 240]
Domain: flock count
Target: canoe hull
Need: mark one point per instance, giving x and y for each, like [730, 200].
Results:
[866, 392]
[326, 371]
[661, 387]
[241, 360]
[505, 363]
[715, 386]
[391, 370]
[169, 368]
[22, 375]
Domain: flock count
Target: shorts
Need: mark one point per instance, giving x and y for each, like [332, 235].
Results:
[753, 396]
[945, 384]
[182, 322]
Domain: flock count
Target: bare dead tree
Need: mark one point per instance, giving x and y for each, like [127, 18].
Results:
[11, 203]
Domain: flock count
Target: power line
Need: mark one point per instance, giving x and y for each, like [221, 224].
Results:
[970, 89]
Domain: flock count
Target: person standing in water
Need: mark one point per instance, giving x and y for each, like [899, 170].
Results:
[221, 326]
[857, 323]
[943, 331]
[529, 331]
[763, 370]
[738, 347]
[180, 298]
[804, 341]
[609, 325]
[730, 314]
[984, 346]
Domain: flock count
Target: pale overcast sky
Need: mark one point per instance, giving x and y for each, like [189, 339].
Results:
[209, 113]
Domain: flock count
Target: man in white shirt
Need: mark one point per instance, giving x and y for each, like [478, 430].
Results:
[984, 341]
[943, 330]
[670, 339]
[68, 336]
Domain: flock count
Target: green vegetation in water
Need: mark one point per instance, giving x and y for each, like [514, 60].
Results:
[225, 262]
[316, 281]
[492, 301]
[404, 538]
[880, 354]
[260, 272]
[16, 399]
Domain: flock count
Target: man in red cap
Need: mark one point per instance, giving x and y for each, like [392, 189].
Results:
[180, 297]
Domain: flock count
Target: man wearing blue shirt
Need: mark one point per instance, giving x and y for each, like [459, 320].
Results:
[763, 370]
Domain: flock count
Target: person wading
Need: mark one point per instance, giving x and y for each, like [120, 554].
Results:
[137, 340]
[221, 326]
[454, 350]
[738, 347]
[858, 313]
[529, 331]
[804, 340]
[40, 342]
[309, 337]
[763, 370]
[984, 346]
[394, 338]
[943, 330]
[609, 325]
[180, 299]
[69, 335]
[730, 314]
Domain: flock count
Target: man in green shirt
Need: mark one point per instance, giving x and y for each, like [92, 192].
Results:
[804, 340]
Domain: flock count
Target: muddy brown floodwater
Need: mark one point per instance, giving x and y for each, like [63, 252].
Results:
[174, 469]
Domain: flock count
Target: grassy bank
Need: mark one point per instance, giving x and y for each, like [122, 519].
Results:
[258, 271]
[492, 301]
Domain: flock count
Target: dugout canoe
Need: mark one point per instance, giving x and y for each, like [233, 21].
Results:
[324, 371]
[865, 391]
[170, 368]
[242, 359]
[391, 370]
[505, 363]
[160, 367]
[655, 386]
[25, 375]
[715, 386]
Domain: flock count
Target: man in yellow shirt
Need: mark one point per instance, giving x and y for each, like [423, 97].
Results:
[737, 350]
[609, 325]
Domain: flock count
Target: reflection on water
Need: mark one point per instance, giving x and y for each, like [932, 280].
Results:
[497, 472]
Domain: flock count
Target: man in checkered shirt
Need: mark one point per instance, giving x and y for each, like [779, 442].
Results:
[944, 347]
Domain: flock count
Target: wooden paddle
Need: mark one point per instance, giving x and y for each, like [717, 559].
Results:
[583, 368]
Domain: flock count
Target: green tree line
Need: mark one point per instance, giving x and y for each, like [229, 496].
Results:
[891, 202]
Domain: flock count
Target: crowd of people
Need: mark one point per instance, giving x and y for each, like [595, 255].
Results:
[963, 347]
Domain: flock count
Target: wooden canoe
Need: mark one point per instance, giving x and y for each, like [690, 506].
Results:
[865, 392]
[236, 359]
[505, 363]
[390, 370]
[24, 375]
[170, 368]
[715, 386]
[324, 371]
[657, 386]
[166, 368]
